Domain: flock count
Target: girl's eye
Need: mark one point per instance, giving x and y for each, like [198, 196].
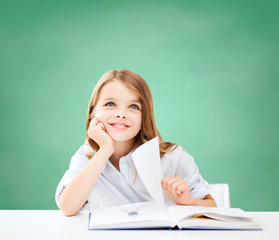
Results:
[134, 106]
[110, 104]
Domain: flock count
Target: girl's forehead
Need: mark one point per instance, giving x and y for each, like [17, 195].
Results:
[117, 90]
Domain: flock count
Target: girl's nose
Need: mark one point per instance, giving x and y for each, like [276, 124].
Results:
[120, 116]
[121, 113]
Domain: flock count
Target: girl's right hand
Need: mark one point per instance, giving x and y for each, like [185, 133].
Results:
[97, 132]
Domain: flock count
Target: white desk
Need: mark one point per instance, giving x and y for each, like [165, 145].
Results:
[52, 224]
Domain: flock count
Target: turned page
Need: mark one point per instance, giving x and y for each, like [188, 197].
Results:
[147, 161]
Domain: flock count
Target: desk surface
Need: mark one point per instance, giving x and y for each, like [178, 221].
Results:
[52, 224]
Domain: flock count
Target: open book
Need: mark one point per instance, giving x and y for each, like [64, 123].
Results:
[156, 214]
[148, 215]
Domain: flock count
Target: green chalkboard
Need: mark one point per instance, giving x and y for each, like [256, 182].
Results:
[212, 67]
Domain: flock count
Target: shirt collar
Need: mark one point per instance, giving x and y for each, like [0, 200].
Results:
[126, 158]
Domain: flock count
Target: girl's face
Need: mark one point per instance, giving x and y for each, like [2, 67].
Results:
[120, 111]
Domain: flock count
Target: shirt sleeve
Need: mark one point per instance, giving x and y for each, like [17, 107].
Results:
[78, 162]
[188, 170]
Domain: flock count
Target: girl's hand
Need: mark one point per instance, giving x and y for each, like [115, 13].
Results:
[177, 190]
[97, 132]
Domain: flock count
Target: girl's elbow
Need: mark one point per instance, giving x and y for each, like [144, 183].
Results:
[211, 201]
[68, 212]
[213, 204]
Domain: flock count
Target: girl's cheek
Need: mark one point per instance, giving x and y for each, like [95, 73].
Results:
[100, 115]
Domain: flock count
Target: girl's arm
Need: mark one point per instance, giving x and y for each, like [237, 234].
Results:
[77, 191]
[208, 201]
[178, 191]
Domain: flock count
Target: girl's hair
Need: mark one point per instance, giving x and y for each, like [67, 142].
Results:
[139, 87]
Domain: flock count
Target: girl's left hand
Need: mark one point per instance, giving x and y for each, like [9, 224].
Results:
[177, 190]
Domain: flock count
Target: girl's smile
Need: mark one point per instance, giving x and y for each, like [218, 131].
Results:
[119, 125]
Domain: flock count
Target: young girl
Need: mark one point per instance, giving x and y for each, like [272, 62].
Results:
[120, 118]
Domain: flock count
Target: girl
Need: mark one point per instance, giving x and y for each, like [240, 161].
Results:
[120, 118]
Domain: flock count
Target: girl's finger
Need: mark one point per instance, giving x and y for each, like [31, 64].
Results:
[170, 182]
[181, 188]
[174, 187]
[164, 182]
[101, 126]
[167, 181]
[94, 122]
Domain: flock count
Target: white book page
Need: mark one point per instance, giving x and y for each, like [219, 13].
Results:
[136, 212]
[242, 223]
[147, 161]
[181, 212]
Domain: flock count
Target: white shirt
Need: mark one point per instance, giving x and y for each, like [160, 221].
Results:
[125, 186]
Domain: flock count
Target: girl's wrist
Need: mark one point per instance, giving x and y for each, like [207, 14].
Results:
[106, 150]
[192, 201]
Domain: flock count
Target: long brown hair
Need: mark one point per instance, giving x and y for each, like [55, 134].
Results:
[139, 87]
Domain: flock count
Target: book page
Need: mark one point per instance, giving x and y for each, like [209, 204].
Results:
[130, 213]
[207, 223]
[147, 161]
[182, 212]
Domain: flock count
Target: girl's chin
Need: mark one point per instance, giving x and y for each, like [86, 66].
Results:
[125, 136]
[117, 139]
[121, 138]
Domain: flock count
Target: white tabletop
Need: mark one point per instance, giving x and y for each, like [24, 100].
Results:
[52, 224]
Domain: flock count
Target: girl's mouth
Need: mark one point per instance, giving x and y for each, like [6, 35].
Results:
[119, 125]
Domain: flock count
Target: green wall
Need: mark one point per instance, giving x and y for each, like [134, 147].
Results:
[212, 67]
